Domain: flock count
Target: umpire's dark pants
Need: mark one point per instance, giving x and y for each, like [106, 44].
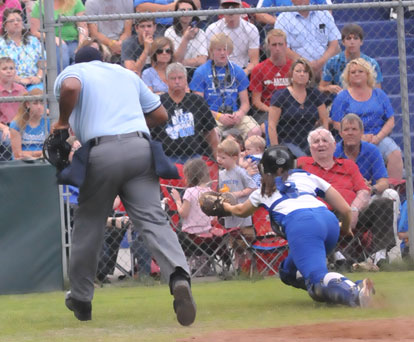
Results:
[124, 166]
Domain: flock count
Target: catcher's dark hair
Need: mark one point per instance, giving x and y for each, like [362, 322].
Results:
[196, 172]
[276, 161]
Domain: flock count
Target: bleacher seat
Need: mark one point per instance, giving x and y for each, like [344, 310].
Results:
[380, 42]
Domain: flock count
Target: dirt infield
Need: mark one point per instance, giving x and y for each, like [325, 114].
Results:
[384, 330]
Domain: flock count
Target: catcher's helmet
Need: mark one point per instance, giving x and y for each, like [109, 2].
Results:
[275, 157]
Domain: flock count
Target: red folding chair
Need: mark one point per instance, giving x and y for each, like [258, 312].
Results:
[267, 250]
[211, 248]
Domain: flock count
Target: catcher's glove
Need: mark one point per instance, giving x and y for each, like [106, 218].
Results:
[211, 203]
[56, 149]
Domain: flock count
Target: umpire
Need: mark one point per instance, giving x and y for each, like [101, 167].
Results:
[111, 108]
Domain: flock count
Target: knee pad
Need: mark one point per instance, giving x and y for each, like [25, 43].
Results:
[291, 279]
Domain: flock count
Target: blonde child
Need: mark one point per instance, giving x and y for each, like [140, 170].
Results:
[234, 179]
[197, 177]
[254, 147]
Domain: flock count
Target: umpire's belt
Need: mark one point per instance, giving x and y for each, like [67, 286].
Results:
[106, 138]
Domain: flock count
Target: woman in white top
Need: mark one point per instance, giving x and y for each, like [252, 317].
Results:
[190, 42]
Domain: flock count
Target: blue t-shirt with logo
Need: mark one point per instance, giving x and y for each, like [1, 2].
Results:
[33, 137]
[230, 81]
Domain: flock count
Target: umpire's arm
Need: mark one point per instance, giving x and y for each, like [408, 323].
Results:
[157, 117]
[69, 94]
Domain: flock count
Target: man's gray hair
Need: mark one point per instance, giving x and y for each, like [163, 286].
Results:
[320, 129]
[175, 67]
[351, 117]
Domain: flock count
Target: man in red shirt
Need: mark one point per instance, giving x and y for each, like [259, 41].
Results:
[270, 75]
[344, 175]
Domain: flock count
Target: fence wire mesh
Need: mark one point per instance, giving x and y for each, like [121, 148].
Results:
[238, 84]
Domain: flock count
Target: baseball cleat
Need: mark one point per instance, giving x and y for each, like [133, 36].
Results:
[366, 292]
[184, 305]
[81, 310]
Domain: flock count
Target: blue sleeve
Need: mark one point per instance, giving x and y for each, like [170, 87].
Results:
[327, 75]
[243, 81]
[338, 150]
[378, 166]
[339, 105]
[386, 103]
[377, 69]
[14, 125]
[149, 101]
[403, 222]
[197, 81]
[333, 32]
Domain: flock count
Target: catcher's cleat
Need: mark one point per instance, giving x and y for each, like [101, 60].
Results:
[82, 310]
[184, 305]
[366, 292]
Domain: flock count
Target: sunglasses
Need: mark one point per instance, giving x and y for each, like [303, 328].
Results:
[160, 51]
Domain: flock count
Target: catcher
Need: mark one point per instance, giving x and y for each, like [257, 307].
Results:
[311, 229]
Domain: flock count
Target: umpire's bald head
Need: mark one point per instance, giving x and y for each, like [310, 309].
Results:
[88, 54]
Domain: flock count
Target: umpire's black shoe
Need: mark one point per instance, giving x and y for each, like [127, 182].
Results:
[184, 305]
[81, 310]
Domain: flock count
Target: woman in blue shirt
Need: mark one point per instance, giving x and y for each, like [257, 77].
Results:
[373, 106]
[162, 54]
[29, 128]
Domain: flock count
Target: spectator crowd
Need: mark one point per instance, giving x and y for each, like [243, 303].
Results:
[232, 85]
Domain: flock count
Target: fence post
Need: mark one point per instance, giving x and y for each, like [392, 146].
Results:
[49, 29]
[406, 122]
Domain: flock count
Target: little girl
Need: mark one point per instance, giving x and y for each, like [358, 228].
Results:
[194, 221]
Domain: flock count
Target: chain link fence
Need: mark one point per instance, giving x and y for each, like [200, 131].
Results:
[249, 88]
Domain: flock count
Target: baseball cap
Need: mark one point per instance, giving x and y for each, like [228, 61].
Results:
[238, 2]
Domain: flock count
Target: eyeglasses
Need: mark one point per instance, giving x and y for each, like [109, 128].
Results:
[14, 21]
[160, 51]
[230, 6]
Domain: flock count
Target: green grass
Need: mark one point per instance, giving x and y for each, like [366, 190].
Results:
[143, 313]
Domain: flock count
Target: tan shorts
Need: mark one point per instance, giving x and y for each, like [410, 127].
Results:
[245, 125]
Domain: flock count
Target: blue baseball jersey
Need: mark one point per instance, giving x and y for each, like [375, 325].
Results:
[298, 192]
[94, 118]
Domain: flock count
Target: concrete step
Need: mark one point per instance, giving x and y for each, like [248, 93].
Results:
[390, 65]
[391, 83]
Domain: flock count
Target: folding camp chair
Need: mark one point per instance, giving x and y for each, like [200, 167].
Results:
[374, 232]
[202, 251]
[267, 250]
